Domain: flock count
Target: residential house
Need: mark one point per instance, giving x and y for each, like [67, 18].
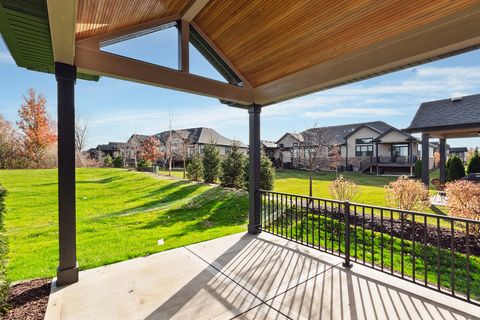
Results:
[185, 142]
[460, 152]
[270, 148]
[134, 148]
[113, 149]
[374, 147]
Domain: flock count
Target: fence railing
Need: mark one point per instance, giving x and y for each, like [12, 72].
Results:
[435, 251]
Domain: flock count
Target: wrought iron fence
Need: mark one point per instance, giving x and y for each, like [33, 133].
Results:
[435, 251]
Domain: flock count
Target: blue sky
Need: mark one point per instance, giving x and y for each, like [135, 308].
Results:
[115, 109]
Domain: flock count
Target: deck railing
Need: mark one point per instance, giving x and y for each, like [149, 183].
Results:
[435, 251]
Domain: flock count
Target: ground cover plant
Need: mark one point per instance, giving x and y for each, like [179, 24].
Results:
[120, 215]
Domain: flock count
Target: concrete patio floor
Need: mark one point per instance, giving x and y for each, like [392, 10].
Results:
[247, 277]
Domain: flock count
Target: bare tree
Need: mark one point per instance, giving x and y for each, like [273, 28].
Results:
[314, 149]
[81, 135]
[10, 146]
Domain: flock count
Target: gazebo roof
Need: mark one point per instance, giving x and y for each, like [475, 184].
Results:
[448, 118]
[267, 50]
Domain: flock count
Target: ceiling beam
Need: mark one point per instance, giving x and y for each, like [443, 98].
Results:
[451, 35]
[62, 17]
[194, 9]
[183, 46]
[127, 32]
[94, 61]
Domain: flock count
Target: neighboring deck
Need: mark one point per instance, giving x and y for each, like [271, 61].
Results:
[249, 277]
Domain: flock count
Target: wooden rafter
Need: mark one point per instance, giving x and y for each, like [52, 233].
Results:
[94, 61]
[194, 9]
[62, 20]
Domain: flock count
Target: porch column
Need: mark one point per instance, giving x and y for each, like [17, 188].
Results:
[254, 174]
[67, 271]
[425, 158]
[442, 164]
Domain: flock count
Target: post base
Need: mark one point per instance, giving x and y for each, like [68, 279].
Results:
[67, 276]
[347, 265]
[254, 228]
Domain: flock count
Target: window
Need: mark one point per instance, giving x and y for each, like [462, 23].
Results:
[399, 150]
[364, 151]
[364, 141]
[280, 145]
[228, 150]
[295, 144]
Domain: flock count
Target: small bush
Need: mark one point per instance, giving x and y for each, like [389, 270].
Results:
[143, 163]
[195, 168]
[211, 163]
[232, 169]
[455, 169]
[107, 160]
[117, 162]
[343, 189]
[4, 285]
[463, 199]
[474, 163]
[267, 173]
[407, 194]
[417, 169]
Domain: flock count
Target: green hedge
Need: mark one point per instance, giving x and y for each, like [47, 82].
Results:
[4, 285]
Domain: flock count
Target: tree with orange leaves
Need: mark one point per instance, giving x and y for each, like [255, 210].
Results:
[38, 130]
[151, 150]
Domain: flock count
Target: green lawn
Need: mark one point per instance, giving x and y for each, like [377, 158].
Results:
[120, 215]
[175, 173]
[371, 187]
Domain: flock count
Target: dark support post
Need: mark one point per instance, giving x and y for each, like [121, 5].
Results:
[425, 158]
[443, 158]
[67, 272]
[254, 174]
[346, 212]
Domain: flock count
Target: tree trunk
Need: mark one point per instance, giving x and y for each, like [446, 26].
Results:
[170, 166]
[184, 172]
[311, 183]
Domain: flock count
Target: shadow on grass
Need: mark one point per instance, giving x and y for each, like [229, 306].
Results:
[438, 210]
[212, 208]
[182, 191]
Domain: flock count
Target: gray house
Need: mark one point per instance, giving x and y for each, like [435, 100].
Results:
[374, 147]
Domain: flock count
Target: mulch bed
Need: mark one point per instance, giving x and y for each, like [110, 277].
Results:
[28, 300]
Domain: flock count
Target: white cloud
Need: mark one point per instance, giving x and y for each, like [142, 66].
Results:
[5, 57]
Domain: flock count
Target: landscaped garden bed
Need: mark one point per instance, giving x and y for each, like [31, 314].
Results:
[28, 300]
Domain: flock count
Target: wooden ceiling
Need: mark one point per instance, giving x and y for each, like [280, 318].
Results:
[95, 17]
[270, 39]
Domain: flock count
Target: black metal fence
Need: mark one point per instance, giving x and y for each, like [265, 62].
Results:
[435, 251]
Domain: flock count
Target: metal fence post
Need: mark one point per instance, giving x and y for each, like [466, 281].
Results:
[346, 212]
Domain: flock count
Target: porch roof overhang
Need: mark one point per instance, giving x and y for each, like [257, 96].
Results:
[448, 118]
[268, 51]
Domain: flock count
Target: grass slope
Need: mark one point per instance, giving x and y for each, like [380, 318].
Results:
[120, 215]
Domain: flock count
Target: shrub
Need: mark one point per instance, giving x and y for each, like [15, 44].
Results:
[143, 163]
[343, 189]
[455, 169]
[195, 168]
[4, 285]
[267, 173]
[417, 169]
[107, 160]
[407, 194]
[232, 169]
[474, 163]
[211, 163]
[117, 162]
[463, 199]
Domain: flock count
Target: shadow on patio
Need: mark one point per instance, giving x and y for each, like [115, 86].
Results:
[249, 277]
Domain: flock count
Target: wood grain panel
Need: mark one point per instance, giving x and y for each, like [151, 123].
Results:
[269, 39]
[96, 17]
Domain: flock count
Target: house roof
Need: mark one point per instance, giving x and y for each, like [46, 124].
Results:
[138, 137]
[458, 149]
[340, 133]
[326, 45]
[447, 113]
[268, 144]
[112, 146]
[200, 135]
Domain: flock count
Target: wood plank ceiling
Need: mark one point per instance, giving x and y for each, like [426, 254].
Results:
[96, 17]
[270, 39]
